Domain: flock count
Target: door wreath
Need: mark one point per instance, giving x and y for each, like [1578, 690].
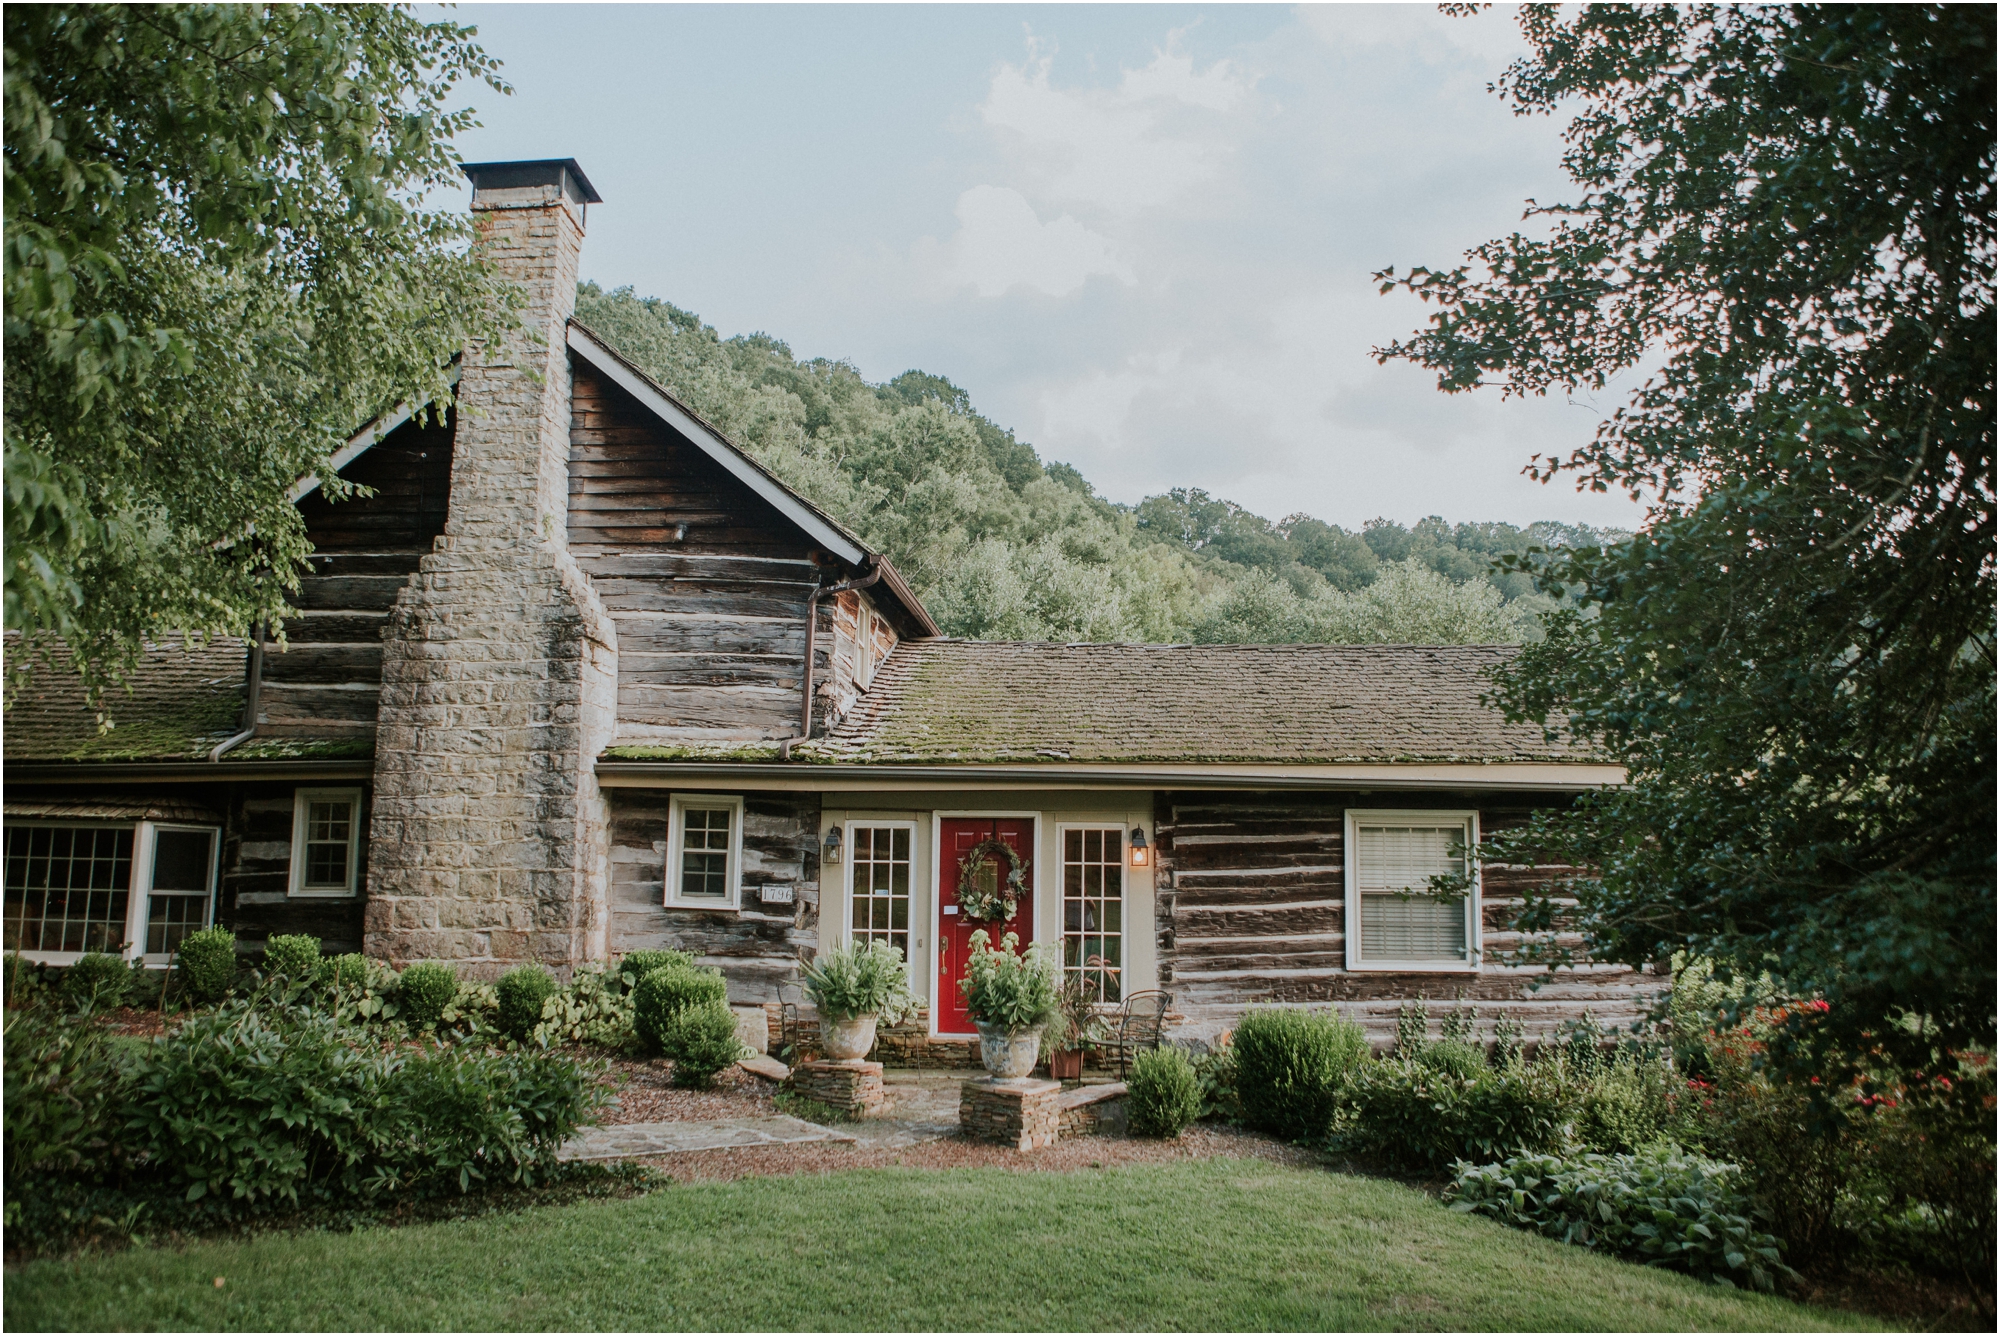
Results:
[976, 901]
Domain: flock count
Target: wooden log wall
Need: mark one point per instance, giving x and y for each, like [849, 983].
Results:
[256, 865]
[706, 581]
[757, 946]
[860, 637]
[327, 681]
[1251, 910]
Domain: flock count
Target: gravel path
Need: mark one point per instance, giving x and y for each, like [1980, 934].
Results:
[919, 1132]
[1073, 1155]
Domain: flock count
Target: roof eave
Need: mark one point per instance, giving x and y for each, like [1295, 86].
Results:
[1513, 776]
[369, 436]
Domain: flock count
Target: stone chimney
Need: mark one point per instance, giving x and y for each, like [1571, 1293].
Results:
[488, 842]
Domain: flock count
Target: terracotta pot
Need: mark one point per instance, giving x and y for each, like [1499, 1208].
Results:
[1066, 1066]
[846, 1038]
[1009, 1054]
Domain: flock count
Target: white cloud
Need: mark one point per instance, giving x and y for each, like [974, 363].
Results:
[1122, 150]
[1001, 244]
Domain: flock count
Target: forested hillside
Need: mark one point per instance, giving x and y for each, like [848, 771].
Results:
[1004, 546]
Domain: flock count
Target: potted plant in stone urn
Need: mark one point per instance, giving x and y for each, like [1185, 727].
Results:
[1010, 996]
[853, 987]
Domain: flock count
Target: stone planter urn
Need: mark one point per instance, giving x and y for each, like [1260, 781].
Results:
[847, 1038]
[1009, 1054]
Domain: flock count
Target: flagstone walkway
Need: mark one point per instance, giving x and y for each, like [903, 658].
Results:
[632, 1141]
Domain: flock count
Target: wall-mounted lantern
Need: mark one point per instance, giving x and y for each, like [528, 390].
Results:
[830, 851]
[1140, 856]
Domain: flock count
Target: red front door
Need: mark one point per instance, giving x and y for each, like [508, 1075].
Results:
[957, 837]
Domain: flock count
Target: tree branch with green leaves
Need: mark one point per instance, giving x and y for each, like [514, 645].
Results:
[219, 265]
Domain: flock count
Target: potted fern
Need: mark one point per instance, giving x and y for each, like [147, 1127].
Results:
[1074, 1027]
[853, 987]
[1011, 997]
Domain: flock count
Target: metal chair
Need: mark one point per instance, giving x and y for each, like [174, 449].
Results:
[1140, 1023]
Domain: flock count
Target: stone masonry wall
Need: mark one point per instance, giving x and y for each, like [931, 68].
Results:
[499, 668]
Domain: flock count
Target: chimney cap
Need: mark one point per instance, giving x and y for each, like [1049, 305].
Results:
[560, 172]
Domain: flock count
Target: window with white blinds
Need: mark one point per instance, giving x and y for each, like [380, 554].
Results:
[1400, 921]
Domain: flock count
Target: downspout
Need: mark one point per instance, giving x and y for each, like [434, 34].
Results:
[253, 684]
[813, 600]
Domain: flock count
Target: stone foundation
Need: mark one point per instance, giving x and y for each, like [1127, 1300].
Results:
[855, 1087]
[1021, 1114]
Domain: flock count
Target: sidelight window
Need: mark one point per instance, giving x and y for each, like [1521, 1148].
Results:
[878, 882]
[1094, 910]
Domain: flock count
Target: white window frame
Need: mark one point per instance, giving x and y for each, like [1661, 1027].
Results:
[864, 645]
[133, 895]
[914, 931]
[1125, 870]
[677, 828]
[1356, 961]
[144, 850]
[302, 799]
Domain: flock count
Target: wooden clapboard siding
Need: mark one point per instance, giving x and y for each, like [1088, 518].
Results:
[1251, 909]
[711, 623]
[758, 946]
[256, 864]
[325, 681]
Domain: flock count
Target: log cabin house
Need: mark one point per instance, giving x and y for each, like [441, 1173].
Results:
[580, 677]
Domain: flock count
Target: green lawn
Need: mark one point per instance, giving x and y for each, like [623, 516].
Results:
[1221, 1244]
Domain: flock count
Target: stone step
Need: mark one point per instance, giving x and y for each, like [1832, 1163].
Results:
[770, 1069]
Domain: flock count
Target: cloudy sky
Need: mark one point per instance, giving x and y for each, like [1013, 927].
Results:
[1141, 236]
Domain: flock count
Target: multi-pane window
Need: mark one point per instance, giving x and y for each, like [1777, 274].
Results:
[1401, 918]
[326, 845]
[178, 899]
[327, 828]
[879, 886]
[68, 887]
[705, 852]
[1094, 910]
[703, 847]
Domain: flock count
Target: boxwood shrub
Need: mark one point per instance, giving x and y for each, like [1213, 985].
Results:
[296, 956]
[522, 991]
[1293, 1068]
[639, 964]
[207, 963]
[96, 982]
[1165, 1093]
[664, 993]
[426, 989]
[701, 1040]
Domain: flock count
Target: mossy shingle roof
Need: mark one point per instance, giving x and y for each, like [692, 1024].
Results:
[942, 701]
[182, 702]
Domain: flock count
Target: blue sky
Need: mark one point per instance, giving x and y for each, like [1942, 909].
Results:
[1141, 236]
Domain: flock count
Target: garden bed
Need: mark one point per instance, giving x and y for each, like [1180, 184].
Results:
[646, 1094]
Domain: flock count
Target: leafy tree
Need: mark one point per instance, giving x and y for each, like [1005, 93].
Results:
[1790, 213]
[218, 265]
